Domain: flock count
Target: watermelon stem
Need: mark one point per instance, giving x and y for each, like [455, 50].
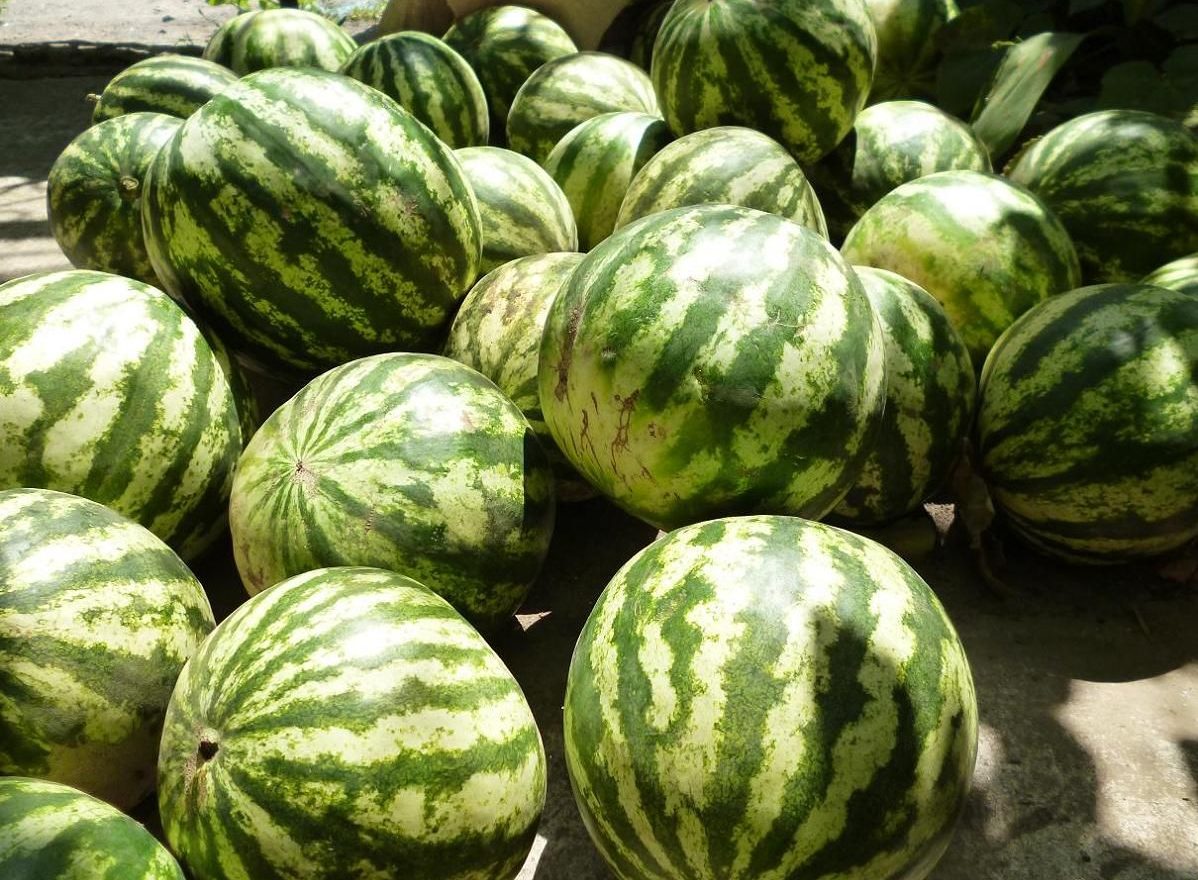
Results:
[208, 749]
[130, 188]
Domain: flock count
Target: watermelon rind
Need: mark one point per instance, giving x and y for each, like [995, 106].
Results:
[265, 38]
[176, 85]
[1180, 274]
[908, 48]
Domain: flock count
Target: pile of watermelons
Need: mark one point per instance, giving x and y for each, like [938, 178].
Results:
[731, 274]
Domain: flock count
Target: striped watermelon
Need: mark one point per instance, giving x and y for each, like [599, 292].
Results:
[713, 360]
[97, 618]
[570, 90]
[987, 249]
[724, 165]
[349, 723]
[109, 391]
[796, 70]
[892, 143]
[497, 331]
[176, 85]
[49, 830]
[93, 195]
[504, 45]
[907, 45]
[1124, 183]
[640, 50]
[769, 697]
[595, 162]
[403, 461]
[279, 38]
[430, 80]
[1088, 423]
[930, 393]
[523, 210]
[1181, 274]
[312, 220]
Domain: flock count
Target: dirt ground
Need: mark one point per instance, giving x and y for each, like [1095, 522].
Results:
[1087, 679]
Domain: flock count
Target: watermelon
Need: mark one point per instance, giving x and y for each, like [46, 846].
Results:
[349, 723]
[408, 462]
[987, 249]
[279, 38]
[796, 70]
[312, 221]
[713, 360]
[907, 45]
[648, 26]
[724, 165]
[572, 89]
[109, 391]
[497, 331]
[504, 45]
[428, 79]
[93, 195]
[1181, 274]
[97, 617]
[595, 162]
[523, 210]
[176, 85]
[1124, 183]
[930, 394]
[1088, 423]
[49, 830]
[765, 696]
[892, 143]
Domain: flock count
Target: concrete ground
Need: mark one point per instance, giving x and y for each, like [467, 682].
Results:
[1087, 679]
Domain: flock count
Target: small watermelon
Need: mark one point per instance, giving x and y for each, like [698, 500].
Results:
[1088, 423]
[279, 38]
[49, 830]
[1125, 185]
[429, 80]
[769, 697]
[796, 70]
[177, 85]
[97, 618]
[931, 389]
[570, 90]
[93, 195]
[725, 165]
[595, 162]
[1181, 274]
[409, 462]
[713, 360]
[907, 46]
[497, 331]
[349, 723]
[523, 210]
[987, 249]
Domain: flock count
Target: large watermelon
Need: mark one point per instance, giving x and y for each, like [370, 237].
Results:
[410, 462]
[769, 697]
[1124, 183]
[797, 70]
[177, 85]
[891, 143]
[595, 162]
[1180, 274]
[1088, 423]
[279, 38]
[504, 45]
[97, 618]
[428, 79]
[497, 331]
[713, 360]
[523, 210]
[987, 249]
[724, 165]
[907, 45]
[349, 723]
[312, 220]
[930, 393]
[93, 195]
[49, 831]
[570, 90]
[109, 391]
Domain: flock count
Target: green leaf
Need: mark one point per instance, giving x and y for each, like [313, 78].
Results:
[1076, 6]
[1024, 73]
[962, 76]
[1181, 21]
[981, 26]
[1140, 85]
[1134, 10]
